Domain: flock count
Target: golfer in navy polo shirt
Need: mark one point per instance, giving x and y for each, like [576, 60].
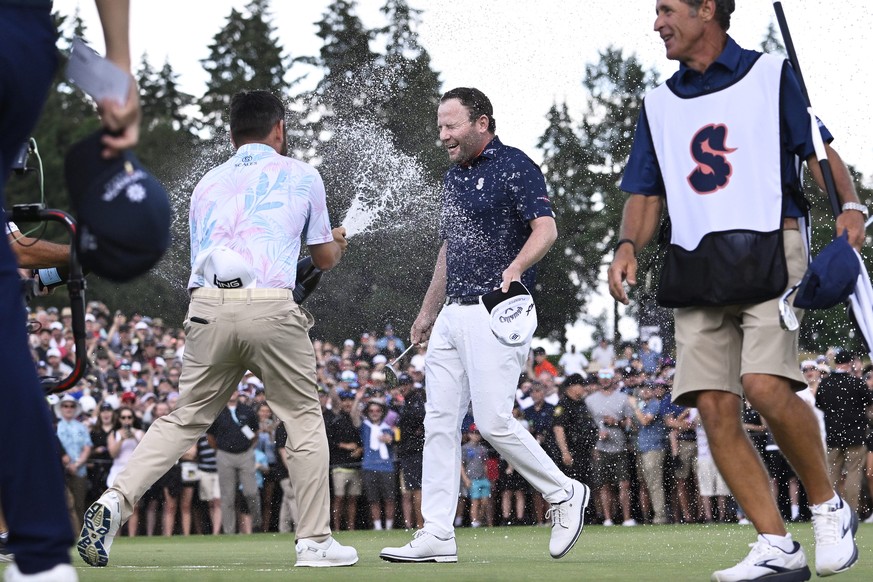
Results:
[497, 222]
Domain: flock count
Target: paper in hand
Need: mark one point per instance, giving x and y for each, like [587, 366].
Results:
[95, 75]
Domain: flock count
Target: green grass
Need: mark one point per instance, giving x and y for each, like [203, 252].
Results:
[674, 553]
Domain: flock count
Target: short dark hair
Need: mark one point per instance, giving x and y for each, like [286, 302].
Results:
[573, 379]
[723, 11]
[474, 100]
[253, 115]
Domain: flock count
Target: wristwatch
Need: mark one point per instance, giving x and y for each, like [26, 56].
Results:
[856, 206]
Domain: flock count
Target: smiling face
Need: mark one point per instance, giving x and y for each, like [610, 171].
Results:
[681, 27]
[464, 139]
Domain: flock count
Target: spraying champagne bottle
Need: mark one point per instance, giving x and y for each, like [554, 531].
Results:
[308, 276]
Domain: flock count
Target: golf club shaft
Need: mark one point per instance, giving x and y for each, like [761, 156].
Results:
[406, 351]
[820, 151]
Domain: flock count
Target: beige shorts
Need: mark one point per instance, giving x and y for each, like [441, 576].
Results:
[346, 482]
[209, 486]
[716, 346]
[710, 483]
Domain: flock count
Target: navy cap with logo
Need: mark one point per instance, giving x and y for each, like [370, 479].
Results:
[831, 276]
[122, 211]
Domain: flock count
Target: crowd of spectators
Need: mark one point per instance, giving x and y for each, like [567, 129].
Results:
[605, 417]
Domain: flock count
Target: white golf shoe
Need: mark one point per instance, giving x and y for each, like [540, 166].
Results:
[102, 521]
[424, 547]
[325, 554]
[568, 519]
[767, 562]
[835, 527]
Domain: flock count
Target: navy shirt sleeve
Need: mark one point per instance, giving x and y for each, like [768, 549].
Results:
[642, 175]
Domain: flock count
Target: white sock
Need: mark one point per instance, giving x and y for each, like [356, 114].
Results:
[795, 511]
[835, 500]
[377, 525]
[784, 543]
[389, 524]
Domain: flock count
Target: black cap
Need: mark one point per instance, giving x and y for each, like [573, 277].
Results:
[122, 211]
[574, 379]
[844, 357]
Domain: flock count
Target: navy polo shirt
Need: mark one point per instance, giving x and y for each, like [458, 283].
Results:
[487, 207]
[642, 175]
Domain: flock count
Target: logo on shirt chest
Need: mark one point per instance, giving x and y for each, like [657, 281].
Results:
[709, 151]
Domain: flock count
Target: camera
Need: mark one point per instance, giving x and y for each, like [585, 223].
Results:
[19, 160]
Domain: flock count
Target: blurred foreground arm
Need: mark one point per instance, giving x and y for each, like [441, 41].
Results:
[121, 120]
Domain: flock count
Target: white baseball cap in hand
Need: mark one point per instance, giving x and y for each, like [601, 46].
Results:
[224, 268]
[513, 314]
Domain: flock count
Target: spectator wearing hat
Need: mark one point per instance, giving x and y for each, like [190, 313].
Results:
[378, 473]
[612, 413]
[683, 453]
[811, 373]
[44, 343]
[126, 378]
[76, 440]
[651, 444]
[103, 367]
[55, 366]
[120, 334]
[574, 430]
[346, 449]
[843, 397]
[540, 416]
[233, 435]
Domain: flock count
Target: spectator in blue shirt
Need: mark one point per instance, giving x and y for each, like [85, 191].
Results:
[651, 446]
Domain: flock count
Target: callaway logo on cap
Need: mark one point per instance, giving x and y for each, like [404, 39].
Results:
[513, 314]
[122, 211]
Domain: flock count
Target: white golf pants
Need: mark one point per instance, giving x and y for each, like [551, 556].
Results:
[465, 363]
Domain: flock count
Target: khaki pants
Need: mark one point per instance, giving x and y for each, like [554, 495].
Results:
[265, 331]
[850, 460]
[651, 465]
[237, 470]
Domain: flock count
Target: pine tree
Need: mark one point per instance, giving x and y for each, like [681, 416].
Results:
[583, 165]
[377, 111]
[244, 55]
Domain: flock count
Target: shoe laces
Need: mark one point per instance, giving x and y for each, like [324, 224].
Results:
[419, 533]
[760, 549]
[558, 513]
[826, 525]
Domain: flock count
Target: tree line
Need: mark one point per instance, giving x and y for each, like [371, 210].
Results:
[369, 127]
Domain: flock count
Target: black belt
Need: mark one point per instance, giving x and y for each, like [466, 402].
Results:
[463, 300]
